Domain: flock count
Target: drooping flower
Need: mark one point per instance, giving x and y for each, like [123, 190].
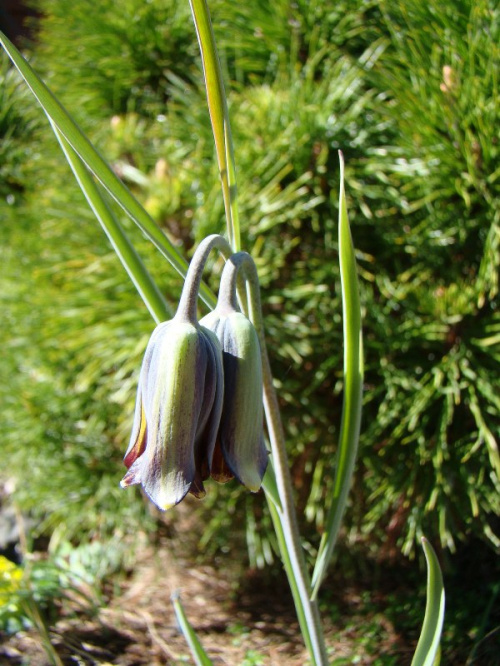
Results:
[177, 414]
[186, 426]
[240, 449]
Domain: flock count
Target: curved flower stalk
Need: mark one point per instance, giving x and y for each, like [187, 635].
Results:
[179, 400]
[240, 449]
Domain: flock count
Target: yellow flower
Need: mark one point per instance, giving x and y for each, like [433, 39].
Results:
[10, 579]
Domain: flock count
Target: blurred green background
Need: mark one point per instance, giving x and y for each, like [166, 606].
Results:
[409, 92]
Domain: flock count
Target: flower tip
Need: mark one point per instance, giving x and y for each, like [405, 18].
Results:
[129, 479]
[163, 501]
[253, 482]
[197, 488]
[165, 507]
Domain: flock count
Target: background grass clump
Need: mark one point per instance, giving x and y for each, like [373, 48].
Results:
[408, 93]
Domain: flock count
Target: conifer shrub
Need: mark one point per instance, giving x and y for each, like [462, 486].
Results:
[408, 93]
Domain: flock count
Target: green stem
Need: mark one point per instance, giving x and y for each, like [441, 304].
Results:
[284, 518]
[295, 562]
[229, 283]
[189, 297]
[199, 655]
[219, 116]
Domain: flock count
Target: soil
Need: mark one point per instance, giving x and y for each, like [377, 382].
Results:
[242, 618]
[251, 622]
[139, 625]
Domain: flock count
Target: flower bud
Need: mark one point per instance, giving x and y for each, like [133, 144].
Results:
[240, 449]
[178, 408]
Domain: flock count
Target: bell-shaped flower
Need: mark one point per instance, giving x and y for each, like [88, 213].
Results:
[177, 414]
[240, 449]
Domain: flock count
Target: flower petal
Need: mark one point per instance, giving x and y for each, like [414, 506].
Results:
[220, 471]
[241, 427]
[177, 415]
[139, 435]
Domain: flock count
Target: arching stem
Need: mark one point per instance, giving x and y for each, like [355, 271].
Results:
[189, 297]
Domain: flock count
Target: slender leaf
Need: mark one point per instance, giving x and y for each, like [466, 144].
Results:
[427, 652]
[219, 117]
[61, 119]
[285, 518]
[297, 582]
[124, 249]
[199, 655]
[270, 486]
[353, 387]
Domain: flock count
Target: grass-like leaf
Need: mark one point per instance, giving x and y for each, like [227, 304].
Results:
[427, 652]
[270, 485]
[219, 117]
[199, 655]
[307, 613]
[68, 128]
[120, 242]
[353, 387]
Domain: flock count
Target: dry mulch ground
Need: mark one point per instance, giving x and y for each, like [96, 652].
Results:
[252, 622]
[247, 618]
[139, 625]
[243, 618]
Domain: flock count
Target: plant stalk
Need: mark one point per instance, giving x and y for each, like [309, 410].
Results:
[284, 518]
[189, 296]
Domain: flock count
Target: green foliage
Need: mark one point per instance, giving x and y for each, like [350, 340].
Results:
[70, 374]
[421, 152]
[18, 124]
[433, 306]
[31, 595]
[124, 58]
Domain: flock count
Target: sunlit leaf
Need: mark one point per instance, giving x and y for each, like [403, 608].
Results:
[124, 249]
[427, 652]
[353, 387]
[199, 655]
[61, 119]
[219, 116]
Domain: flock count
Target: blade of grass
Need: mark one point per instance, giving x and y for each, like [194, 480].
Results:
[353, 387]
[284, 519]
[427, 652]
[61, 119]
[199, 655]
[120, 242]
[306, 622]
[219, 117]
